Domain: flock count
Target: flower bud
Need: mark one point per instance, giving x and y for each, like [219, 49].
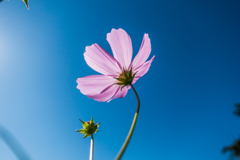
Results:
[89, 128]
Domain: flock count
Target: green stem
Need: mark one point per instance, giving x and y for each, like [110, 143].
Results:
[125, 144]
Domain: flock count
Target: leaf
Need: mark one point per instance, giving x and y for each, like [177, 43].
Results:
[26, 3]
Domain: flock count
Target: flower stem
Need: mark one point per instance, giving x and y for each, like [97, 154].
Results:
[91, 149]
[125, 144]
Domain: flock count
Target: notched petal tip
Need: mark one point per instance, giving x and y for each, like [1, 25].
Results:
[143, 53]
[144, 68]
[87, 48]
[146, 35]
[114, 30]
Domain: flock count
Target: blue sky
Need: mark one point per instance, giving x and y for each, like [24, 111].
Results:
[187, 97]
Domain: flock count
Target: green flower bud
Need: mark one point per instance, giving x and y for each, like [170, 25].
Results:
[89, 128]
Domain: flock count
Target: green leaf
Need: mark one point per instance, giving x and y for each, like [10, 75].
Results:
[26, 3]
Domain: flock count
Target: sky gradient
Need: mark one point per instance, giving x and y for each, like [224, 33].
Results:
[187, 96]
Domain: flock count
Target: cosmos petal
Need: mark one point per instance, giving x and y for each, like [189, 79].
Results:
[102, 97]
[101, 61]
[121, 46]
[135, 80]
[143, 52]
[105, 87]
[143, 69]
[94, 84]
[120, 93]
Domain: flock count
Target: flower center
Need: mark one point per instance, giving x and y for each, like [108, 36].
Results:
[125, 78]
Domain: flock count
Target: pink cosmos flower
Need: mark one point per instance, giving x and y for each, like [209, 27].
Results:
[106, 87]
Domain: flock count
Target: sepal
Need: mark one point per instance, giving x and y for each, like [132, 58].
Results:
[125, 78]
[26, 3]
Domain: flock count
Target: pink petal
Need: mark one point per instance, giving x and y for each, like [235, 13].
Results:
[102, 97]
[99, 60]
[94, 84]
[121, 45]
[143, 52]
[143, 69]
[135, 80]
[119, 93]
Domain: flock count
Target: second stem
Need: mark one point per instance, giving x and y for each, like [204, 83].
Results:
[91, 149]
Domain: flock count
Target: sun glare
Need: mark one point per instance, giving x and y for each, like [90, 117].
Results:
[4, 46]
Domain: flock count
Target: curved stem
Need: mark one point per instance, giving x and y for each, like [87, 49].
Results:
[91, 149]
[124, 146]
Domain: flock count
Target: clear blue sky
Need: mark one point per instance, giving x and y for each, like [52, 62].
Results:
[187, 96]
